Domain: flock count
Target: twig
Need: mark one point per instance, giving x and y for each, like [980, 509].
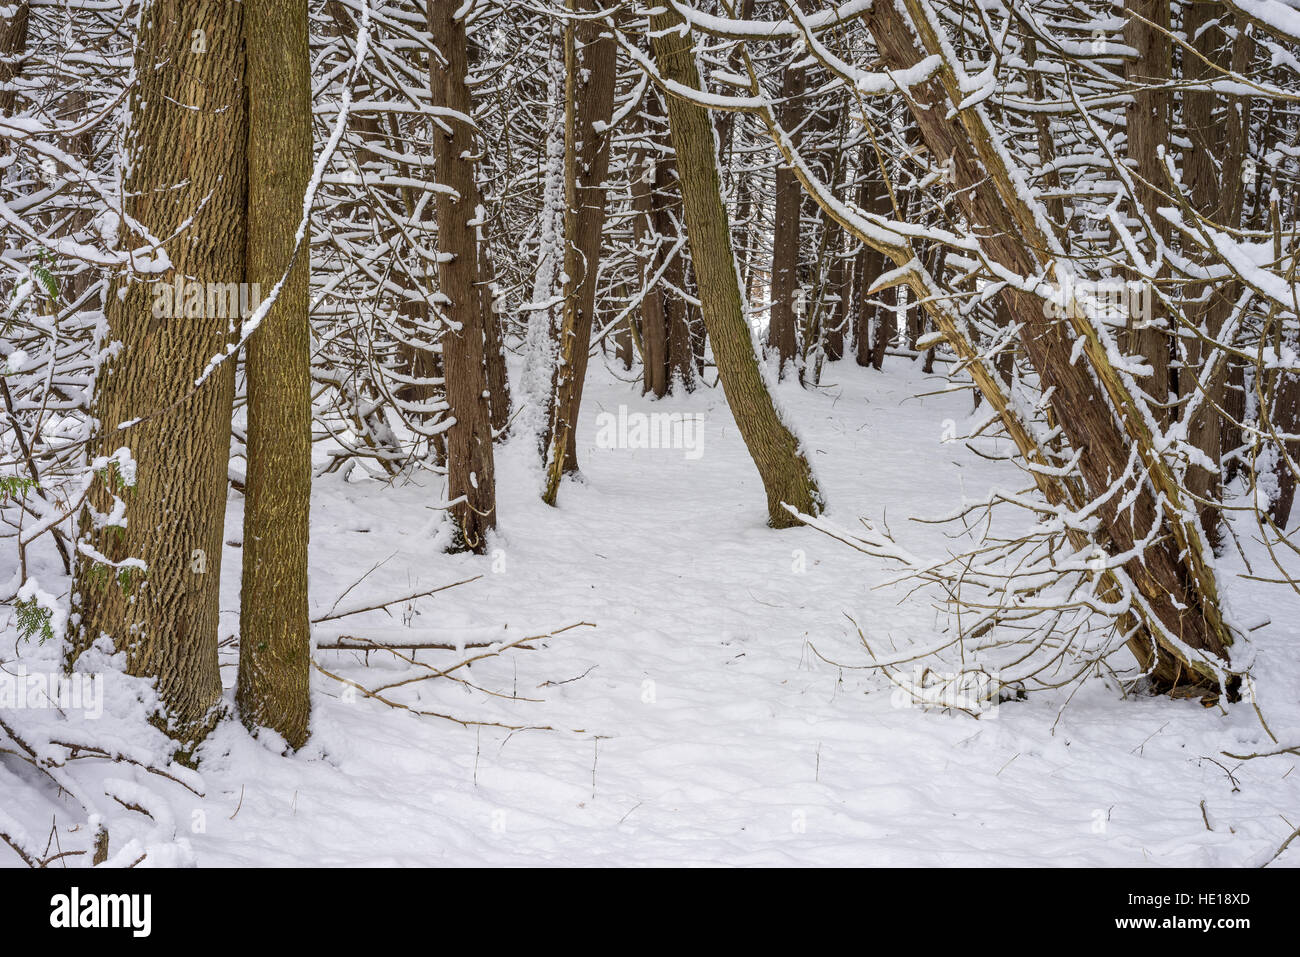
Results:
[332, 615]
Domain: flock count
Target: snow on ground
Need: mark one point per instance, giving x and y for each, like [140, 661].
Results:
[695, 724]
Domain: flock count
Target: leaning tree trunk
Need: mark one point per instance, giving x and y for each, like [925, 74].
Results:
[470, 479]
[1093, 405]
[591, 89]
[787, 476]
[186, 172]
[274, 621]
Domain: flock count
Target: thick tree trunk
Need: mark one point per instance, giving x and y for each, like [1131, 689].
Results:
[187, 163]
[470, 470]
[787, 477]
[274, 687]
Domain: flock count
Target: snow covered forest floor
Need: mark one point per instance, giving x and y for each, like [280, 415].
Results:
[701, 721]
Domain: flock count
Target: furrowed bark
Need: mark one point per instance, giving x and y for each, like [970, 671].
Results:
[188, 136]
[274, 684]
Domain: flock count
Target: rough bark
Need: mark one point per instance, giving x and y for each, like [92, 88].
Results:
[188, 135]
[274, 681]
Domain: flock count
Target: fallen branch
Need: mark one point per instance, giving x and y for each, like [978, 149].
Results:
[332, 615]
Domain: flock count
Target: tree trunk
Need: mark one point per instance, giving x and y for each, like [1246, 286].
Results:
[274, 687]
[654, 320]
[786, 474]
[470, 471]
[1148, 127]
[786, 246]
[498, 381]
[591, 89]
[186, 163]
[1212, 171]
[1286, 419]
[13, 47]
[868, 265]
[837, 292]
[1172, 574]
